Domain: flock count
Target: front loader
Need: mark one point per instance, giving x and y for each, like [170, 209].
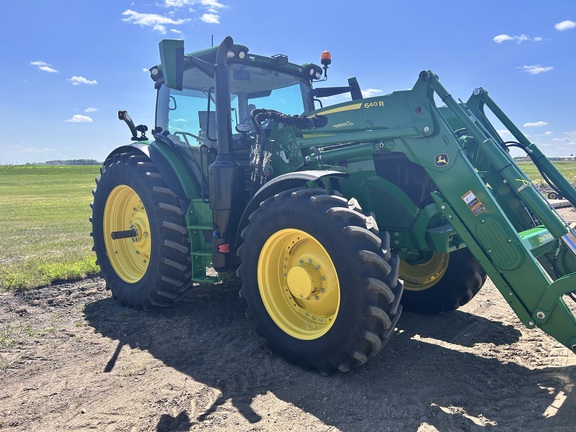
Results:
[335, 218]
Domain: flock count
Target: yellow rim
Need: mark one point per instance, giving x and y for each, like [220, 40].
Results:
[298, 284]
[424, 275]
[129, 256]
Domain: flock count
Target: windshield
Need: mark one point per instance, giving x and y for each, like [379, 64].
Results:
[189, 111]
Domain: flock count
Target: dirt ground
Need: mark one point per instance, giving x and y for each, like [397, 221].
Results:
[72, 358]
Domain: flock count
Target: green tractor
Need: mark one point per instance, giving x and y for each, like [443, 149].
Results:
[333, 217]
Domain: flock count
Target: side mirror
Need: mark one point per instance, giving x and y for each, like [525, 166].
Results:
[172, 59]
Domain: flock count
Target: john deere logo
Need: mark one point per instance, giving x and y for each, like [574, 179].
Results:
[441, 159]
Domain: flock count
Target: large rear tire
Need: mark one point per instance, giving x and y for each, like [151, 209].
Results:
[320, 285]
[442, 282]
[149, 265]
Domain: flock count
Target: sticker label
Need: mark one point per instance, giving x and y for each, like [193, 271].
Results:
[471, 201]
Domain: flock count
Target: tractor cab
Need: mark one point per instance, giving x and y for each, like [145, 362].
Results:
[188, 111]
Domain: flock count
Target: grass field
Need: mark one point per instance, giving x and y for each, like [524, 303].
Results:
[44, 226]
[568, 170]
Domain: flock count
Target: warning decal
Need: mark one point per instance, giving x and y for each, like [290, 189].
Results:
[475, 205]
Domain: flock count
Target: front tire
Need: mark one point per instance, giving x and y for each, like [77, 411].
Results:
[441, 283]
[148, 263]
[321, 287]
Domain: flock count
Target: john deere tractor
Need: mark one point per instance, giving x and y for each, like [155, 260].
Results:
[333, 217]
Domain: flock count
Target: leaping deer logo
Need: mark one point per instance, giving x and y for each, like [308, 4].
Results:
[441, 159]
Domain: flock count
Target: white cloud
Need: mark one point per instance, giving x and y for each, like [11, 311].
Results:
[205, 10]
[536, 124]
[210, 18]
[535, 69]
[177, 32]
[565, 25]
[160, 29]
[77, 80]
[90, 109]
[43, 66]
[504, 134]
[518, 39]
[548, 133]
[501, 38]
[212, 4]
[179, 3]
[48, 69]
[157, 22]
[79, 118]
[371, 92]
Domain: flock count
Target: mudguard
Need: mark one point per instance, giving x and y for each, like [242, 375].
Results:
[162, 164]
[277, 185]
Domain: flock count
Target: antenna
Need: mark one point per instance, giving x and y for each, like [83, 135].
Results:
[212, 40]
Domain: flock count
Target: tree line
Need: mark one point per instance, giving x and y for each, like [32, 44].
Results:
[69, 162]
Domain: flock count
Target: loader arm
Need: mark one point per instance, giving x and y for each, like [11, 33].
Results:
[510, 257]
[508, 253]
[514, 233]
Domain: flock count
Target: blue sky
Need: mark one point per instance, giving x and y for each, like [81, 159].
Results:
[70, 65]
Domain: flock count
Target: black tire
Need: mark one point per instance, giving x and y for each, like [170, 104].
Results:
[310, 233]
[461, 280]
[152, 268]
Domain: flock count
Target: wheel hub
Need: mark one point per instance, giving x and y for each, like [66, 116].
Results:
[298, 284]
[424, 274]
[129, 256]
[303, 281]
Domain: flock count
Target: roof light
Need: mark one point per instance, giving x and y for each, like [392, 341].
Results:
[326, 58]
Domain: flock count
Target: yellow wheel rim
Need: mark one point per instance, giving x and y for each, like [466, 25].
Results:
[298, 284]
[129, 256]
[424, 275]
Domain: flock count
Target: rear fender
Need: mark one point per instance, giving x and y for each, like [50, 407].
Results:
[277, 185]
[160, 162]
